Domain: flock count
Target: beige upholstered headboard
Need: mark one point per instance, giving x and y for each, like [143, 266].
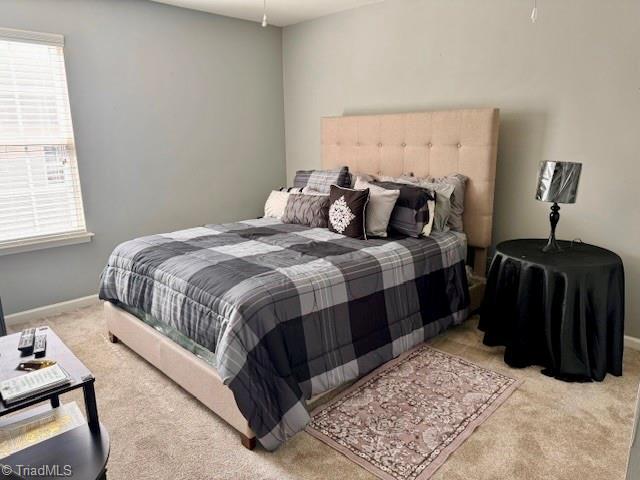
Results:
[425, 143]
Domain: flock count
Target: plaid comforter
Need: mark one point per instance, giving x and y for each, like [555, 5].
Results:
[291, 311]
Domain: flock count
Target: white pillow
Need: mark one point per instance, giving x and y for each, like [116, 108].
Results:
[378, 212]
[406, 179]
[275, 204]
[363, 176]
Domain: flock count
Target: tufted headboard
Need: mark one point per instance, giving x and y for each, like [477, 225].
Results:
[425, 143]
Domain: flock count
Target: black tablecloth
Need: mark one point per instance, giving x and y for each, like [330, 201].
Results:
[564, 311]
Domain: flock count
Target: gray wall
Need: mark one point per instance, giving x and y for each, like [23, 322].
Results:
[178, 120]
[568, 88]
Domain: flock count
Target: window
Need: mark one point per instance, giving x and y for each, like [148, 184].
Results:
[40, 197]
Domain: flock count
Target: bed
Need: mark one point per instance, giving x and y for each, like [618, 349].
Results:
[255, 318]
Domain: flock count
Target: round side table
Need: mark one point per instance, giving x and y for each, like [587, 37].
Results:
[562, 310]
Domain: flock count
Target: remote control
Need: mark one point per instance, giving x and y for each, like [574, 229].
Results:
[40, 342]
[27, 337]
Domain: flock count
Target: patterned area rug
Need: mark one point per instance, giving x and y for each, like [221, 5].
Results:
[402, 421]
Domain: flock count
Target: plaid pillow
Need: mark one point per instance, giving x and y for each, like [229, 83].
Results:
[411, 212]
[321, 180]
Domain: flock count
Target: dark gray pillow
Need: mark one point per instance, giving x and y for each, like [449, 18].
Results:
[347, 211]
[411, 212]
[309, 210]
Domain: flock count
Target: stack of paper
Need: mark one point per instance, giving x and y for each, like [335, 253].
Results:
[33, 383]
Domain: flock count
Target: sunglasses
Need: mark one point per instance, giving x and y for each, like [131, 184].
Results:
[32, 365]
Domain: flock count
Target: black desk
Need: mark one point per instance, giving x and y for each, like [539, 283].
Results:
[564, 311]
[3, 326]
[85, 449]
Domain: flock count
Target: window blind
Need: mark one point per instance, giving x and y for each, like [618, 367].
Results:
[40, 192]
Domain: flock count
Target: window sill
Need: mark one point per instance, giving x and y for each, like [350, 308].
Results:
[40, 243]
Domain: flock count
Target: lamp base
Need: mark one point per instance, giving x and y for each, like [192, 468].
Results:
[552, 245]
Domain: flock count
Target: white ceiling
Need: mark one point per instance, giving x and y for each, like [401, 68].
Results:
[279, 12]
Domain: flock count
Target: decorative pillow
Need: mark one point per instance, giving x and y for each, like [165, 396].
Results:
[275, 204]
[321, 180]
[411, 212]
[459, 183]
[347, 210]
[309, 210]
[381, 203]
[291, 189]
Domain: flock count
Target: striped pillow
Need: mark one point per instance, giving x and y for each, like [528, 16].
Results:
[411, 212]
[321, 180]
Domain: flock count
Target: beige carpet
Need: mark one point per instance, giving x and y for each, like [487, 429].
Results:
[546, 430]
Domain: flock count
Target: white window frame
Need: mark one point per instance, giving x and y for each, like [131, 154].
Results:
[38, 242]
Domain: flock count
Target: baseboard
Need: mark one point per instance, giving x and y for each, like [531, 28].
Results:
[632, 342]
[50, 310]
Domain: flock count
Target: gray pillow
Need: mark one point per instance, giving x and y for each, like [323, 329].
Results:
[379, 208]
[309, 210]
[459, 183]
[443, 210]
[321, 180]
[406, 179]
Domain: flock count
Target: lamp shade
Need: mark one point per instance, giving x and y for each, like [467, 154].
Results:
[558, 182]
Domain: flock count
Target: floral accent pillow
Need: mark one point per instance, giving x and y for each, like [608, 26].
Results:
[347, 211]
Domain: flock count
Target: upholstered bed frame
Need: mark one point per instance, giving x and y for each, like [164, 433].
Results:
[425, 143]
[422, 144]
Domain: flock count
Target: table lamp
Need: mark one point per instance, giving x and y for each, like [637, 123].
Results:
[557, 183]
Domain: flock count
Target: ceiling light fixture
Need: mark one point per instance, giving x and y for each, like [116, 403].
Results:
[534, 12]
[264, 15]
